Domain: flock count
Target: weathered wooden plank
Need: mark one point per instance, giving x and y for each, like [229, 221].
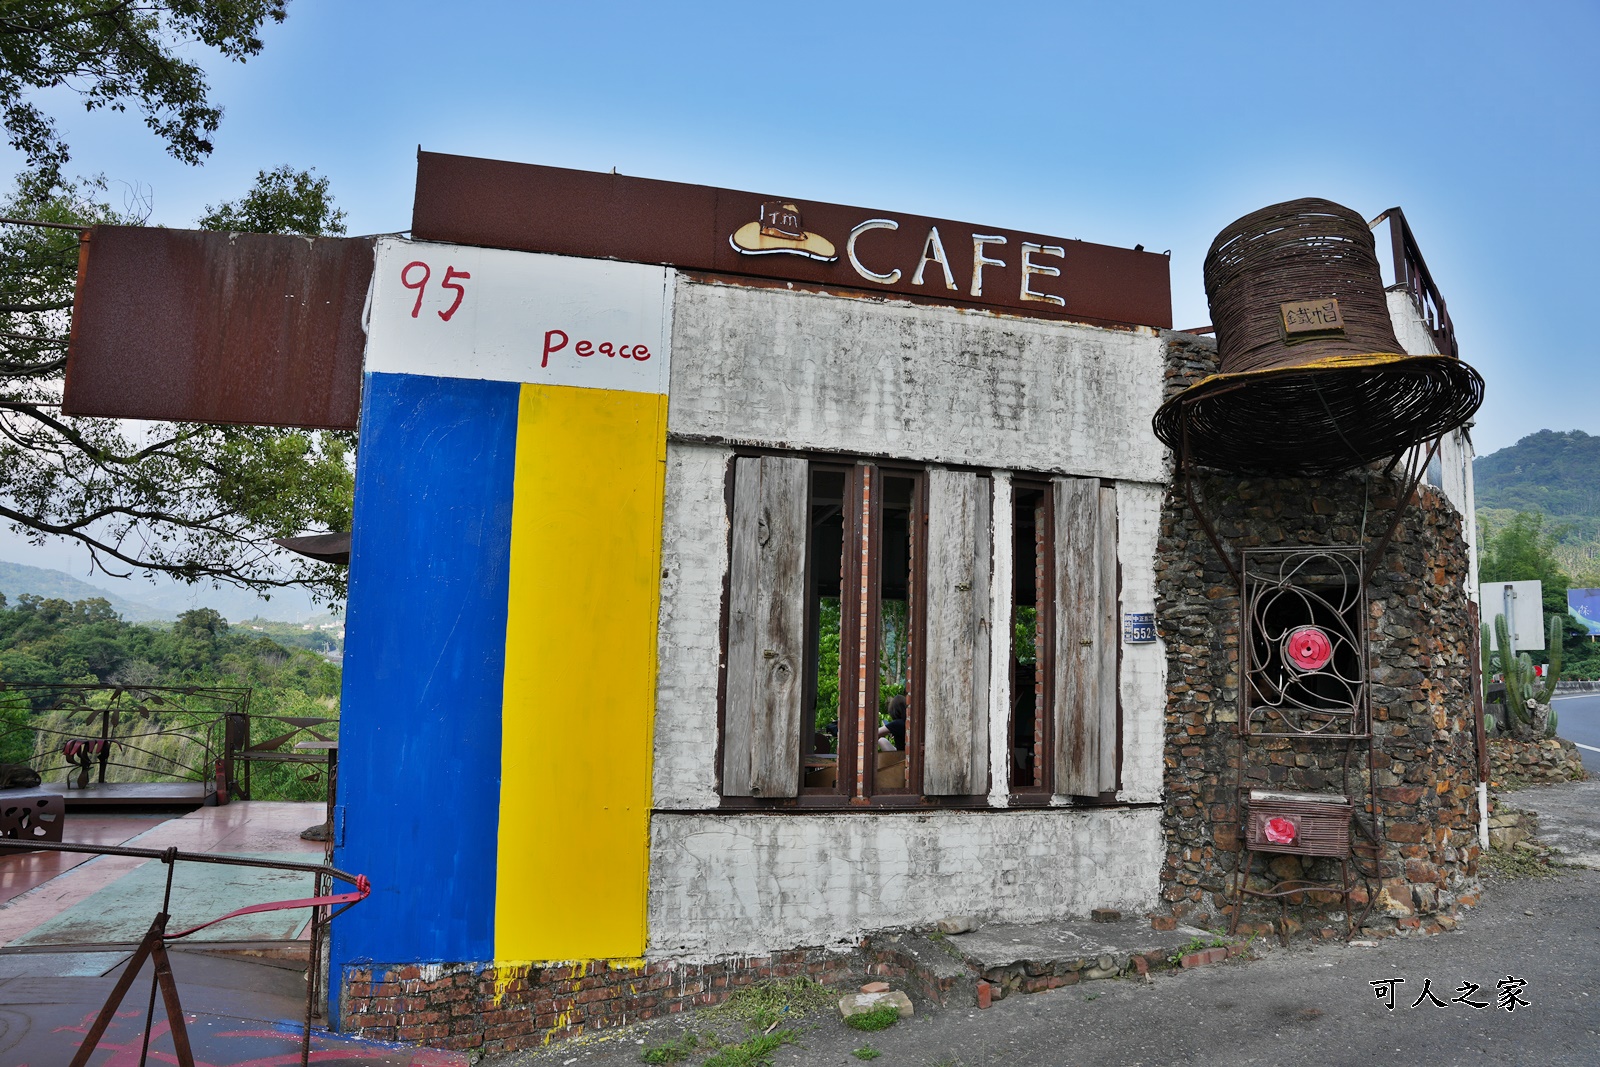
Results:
[1077, 665]
[766, 628]
[1110, 638]
[956, 665]
[780, 656]
[739, 693]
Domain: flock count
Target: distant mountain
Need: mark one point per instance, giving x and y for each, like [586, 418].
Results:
[1556, 474]
[16, 579]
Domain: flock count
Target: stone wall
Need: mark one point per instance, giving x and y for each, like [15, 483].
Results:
[1516, 763]
[1423, 768]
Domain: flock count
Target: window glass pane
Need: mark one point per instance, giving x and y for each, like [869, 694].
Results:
[820, 743]
[897, 564]
[1030, 572]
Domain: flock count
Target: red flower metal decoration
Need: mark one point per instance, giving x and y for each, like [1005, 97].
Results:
[1280, 831]
[1308, 648]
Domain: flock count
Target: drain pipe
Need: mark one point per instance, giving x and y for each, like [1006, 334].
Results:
[1483, 815]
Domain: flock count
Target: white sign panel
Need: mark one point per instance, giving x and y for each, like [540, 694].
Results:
[1521, 603]
[454, 311]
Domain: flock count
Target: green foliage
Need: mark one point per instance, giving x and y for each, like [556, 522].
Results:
[675, 1050]
[53, 641]
[1025, 633]
[1524, 550]
[117, 55]
[1527, 700]
[1554, 474]
[894, 651]
[195, 502]
[760, 1005]
[752, 1052]
[880, 1018]
[828, 662]
[866, 1052]
[281, 201]
[1550, 472]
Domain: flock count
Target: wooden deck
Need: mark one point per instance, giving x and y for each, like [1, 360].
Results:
[145, 795]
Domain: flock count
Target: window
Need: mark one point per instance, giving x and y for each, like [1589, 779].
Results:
[1304, 643]
[859, 637]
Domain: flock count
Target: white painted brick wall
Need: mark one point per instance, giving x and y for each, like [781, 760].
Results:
[887, 378]
[694, 558]
[1455, 451]
[1144, 667]
[937, 385]
[723, 884]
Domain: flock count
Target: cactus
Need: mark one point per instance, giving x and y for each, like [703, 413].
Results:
[1553, 675]
[1488, 665]
[1528, 711]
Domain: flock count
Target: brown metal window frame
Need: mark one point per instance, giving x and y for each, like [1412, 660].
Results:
[1044, 557]
[855, 788]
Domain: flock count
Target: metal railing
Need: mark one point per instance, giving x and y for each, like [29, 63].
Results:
[1411, 274]
[102, 734]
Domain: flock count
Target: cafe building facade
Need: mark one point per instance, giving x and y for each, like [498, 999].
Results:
[736, 578]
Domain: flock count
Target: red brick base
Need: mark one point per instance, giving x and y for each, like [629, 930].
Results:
[503, 1007]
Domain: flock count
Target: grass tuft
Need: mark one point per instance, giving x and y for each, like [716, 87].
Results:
[674, 1051]
[753, 1052]
[763, 1004]
[880, 1018]
[866, 1052]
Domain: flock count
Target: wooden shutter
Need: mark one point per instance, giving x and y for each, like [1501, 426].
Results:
[956, 687]
[766, 628]
[1085, 682]
[1110, 638]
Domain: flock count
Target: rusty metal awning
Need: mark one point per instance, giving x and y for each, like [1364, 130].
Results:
[328, 547]
[198, 326]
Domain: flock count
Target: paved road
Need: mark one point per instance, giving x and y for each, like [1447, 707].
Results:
[1569, 817]
[1578, 720]
[1302, 1005]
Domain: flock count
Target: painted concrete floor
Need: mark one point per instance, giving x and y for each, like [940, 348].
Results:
[110, 899]
[238, 1013]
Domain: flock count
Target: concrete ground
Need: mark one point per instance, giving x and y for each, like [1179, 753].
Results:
[1569, 817]
[1306, 1004]
[239, 1013]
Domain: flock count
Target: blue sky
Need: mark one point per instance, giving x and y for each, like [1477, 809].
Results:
[1150, 123]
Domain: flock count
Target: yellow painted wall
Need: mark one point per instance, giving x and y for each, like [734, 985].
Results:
[580, 674]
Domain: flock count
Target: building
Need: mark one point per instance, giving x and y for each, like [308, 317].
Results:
[733, 578]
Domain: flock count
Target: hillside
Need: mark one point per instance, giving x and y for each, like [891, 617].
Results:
[17, 579]
[1558, 475]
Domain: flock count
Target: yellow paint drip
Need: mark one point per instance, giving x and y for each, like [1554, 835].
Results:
[507, 972]
[580, 675]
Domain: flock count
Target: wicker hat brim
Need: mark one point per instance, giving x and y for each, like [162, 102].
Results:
[1327, 415]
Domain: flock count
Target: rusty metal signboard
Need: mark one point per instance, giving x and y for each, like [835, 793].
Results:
[196, 326]
[530, 208]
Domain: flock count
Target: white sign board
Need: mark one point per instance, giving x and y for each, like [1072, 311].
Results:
[1521, 603]
[454, 311]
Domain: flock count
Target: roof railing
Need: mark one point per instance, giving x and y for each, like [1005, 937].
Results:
[1411, 274]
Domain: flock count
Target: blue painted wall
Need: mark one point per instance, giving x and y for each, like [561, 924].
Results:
[419, 761]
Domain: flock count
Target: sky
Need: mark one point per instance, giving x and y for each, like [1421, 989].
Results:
[1128, 123]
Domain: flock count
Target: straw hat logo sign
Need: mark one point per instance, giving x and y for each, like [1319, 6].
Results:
[780, 231]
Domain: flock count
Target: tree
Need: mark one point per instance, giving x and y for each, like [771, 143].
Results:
[115, 54]
[1523, 550]
[282, 201]
[193, 501]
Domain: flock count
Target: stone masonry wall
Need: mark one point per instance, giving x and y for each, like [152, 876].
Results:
[1424, 769]
[1515, 763]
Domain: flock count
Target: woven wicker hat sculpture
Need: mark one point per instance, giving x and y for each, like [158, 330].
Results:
[1312, 379]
